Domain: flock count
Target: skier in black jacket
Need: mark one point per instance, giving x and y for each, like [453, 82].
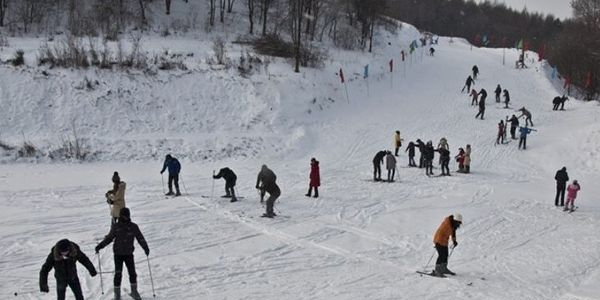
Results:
[230, 179]
[444, 160]
[468, 84]
[514, 124]
[428, 158]
[63, 258]
[506, 98]
[411, 154]
[265, 181]
[483, 94]
[498, 91]
[561, 178]
[421, 146]
[123, 233]
[377, 162]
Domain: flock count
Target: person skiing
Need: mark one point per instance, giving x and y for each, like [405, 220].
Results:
[116, 197]
[390, 165]
[506, 98]
[561, 177]
[265, 181]
[174, 168]
[475, 70]
[498, 91]
[527, 115]
[514, 123]
[501, 128]
[481, 112]
[467, 161]
[421, 146]
[572, 194]
[428, 158]
[230, 179]
[559, 101]
[397, 141]
[123, 233]
[431, 51]
[468, 84]
[377, 162]
[445, 231]
[63, 258]
[411, 154]
[474, 97]
[460, 159]
[444, 160]
[315, 178]
[524, 132]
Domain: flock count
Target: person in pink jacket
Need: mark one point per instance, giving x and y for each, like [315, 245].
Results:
[572, 194]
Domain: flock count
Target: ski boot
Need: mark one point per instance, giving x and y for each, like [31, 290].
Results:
[445, 269]
[134, 293]
[439, 271]
[117, 293]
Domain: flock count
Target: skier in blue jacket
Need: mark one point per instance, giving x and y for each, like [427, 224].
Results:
[174, 167]
[524, 131]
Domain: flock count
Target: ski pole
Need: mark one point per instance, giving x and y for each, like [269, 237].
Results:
[429, 261]
[183, 183]
[451, 250]
[162, 178]
[151, 279]
[25, 293]
[100, 272]
[212, 188]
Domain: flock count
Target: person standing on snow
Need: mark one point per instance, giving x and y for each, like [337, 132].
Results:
[561, 177]
[475, 70]
[431, 51]
[397, 141]
[390, 165]
[514, 124]
[498, 91]
[460, 159]
[506, 98]
[527, 115]
[116, 197]
[265, 181]
[474, 96]
[428, 154]
[123, 234]
[411, 154]
[468, 84]
[174, 168]
[445, 231]
[572, 194]
[467, 161]
[315, 178]
[230, 179]
[377, 162]
[481, 112]
[524, 132]
[63, 258]
[421, 146]
[444, 160]
[501, 128]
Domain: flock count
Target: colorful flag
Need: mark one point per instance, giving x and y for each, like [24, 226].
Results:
[554, 71]
[588, 81]
[342, 75]
[526, 45]
[567, 82]
[366, 74]
[519, 44]
[392, 65]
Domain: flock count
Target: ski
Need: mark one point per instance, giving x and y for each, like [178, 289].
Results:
[229, 197]
[431, 274]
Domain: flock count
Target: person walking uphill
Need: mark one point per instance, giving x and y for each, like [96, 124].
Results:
[315, 178]
[572, 194]
[116, 197]
[230, 179]
[123, 234]
[377, 162]
[561, 178]
[441, 238]
[63, 258]
[265, 181]
[390, 165]
[411, 154]
[174, 167]
[524, 132]
[483, 94]
[468, 82]
[397, 142]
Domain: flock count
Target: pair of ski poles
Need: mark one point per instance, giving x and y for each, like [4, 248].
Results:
[162, 179]
[102, 281]
[433, 254]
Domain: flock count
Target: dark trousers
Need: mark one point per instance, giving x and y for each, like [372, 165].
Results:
[445, 168]
[173, 179]
[556, 105]
[480, 113]
[310, 188]
[376, 171]
[61, 289]
[560, 191]
[411, 161]
[523, 142]
[474, 101]
[442, 254]
[513, 130]
[428, 166]
[528, 121]
[497, 97]
[391, 174]
[129, 263]
[421, 160]
[229, 191]
[397, 148]
[273, 195]
[500, 139]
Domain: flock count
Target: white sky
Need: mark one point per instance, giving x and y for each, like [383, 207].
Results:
[559, 8]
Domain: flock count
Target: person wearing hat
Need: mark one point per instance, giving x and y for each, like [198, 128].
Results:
[116, 197]
[63, 258]
[572, 194]
[315, 178]
[123, 233]
[265, 181]
[446, 230]
[174, 167]
[561, 177]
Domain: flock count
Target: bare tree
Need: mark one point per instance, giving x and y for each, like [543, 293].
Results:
[222, 6]
[297, 14]
[167, 6]
[265, 4]
[3, 9]
[230, 5]
[587, 11]
[251, 5]
[142, 12]
[211, 12]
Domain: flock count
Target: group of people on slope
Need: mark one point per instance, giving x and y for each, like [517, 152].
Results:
[562, 177]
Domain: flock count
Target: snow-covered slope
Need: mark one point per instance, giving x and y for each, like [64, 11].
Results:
[360, 239]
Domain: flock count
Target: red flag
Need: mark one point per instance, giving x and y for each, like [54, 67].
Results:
[567, 82]
[392, 65]
[588, 81]
[526, 45]
[542, 52]
[342, 75]
[402, 52]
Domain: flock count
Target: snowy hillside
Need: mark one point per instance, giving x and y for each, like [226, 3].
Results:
[360, 239]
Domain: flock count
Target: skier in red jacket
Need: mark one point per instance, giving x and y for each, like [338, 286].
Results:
[315, 178]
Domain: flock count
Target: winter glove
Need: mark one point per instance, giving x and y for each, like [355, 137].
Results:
[257, 187]
[147, 251]
[44, 288]
[455, 244]
[93, 273]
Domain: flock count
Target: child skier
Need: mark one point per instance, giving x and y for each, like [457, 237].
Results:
[474, 96]
[460, 159]
[501, 128]
[572, 194]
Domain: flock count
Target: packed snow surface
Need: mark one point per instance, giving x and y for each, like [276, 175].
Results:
[361, 239]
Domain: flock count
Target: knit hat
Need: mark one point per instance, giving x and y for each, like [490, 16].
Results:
[115, 177]
[63, 245]
[458, 217]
